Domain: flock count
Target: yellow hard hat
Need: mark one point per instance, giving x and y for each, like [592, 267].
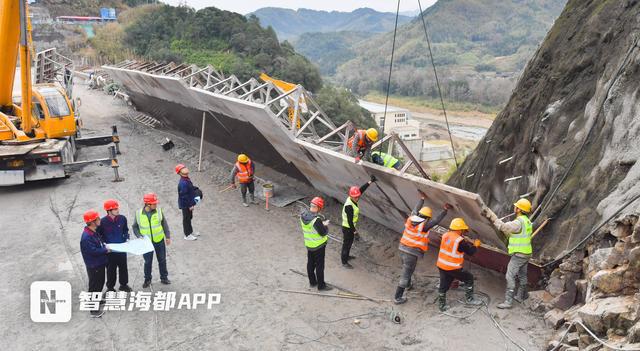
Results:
[372, 134]
[242, 158]
[524, 205]
[426, 211]
[458, 224]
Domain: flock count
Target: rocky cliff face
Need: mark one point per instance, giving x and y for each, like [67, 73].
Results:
[572, 126]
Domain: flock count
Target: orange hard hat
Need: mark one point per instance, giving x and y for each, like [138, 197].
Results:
[318, 202]
[111, 204]
[179, 167]
[150, 198]
[90, 216]
[354, 191]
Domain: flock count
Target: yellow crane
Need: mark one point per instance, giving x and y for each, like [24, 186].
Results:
[37, 130]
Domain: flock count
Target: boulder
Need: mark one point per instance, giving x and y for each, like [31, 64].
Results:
[597, 258]
[582, 286]
[609, 280]
[572, 339]
[539, 301]
[634, 333]
[634, 258]
[554, 318]
[611, 312]
[555, 286]
[565, 300]
[574, 267]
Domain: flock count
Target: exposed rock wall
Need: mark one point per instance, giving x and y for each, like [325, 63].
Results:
[572, 125]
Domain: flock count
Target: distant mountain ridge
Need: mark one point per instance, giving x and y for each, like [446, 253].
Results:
[290, 24]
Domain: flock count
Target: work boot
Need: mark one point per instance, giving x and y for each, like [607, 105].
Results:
[399, 299]
[245, 204]
[347, 265]
[508, 300]
[521, 294]
[352, 257]
[125, 288]
[96, 314]
[326, 287]
[410, 286]
[146, 284]
[469, 298]
[442, 302]
[165, 281]
[253, 200]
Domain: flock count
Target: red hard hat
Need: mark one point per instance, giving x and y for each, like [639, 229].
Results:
[179, 167]
[150, 198]
[111, 204]
[354, 191]
[318, 202]
[90, 216]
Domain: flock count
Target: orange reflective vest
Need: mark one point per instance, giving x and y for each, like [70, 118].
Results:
[414, 237]
[244, 172]
[362, 140]
[449, 258]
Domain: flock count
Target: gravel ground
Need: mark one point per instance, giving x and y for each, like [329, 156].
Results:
[245, 254]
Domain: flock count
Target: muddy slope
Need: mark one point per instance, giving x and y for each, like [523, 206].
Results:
[571, 125]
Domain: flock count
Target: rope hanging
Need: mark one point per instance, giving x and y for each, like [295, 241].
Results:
[393, 50]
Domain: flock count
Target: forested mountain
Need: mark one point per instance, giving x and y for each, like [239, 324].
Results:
[290, 24]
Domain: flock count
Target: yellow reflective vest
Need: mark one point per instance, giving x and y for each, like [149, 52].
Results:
[521, 242]
[152, 228]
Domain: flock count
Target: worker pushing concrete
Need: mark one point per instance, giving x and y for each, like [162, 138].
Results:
[244, 169]
[415, 242]
[386, 160]
[519, 232]
[187, 201]
[360, 143]
[114, 230]
[94, 254]
[151, 222]
[453, 246]
[316, 235]
[350, 215]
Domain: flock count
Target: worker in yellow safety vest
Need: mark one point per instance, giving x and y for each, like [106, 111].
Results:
[350, 215]
[386, 160]
[150, 222]
[519, 232]
[316, 235]
[414, 243]
[360, 143]
[453, 246]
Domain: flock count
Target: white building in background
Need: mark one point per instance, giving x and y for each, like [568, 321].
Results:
[397, 120]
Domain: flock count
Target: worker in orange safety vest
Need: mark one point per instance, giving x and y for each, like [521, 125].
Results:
[415, 242]
[453, 246]
[360, 143]
[244, 169]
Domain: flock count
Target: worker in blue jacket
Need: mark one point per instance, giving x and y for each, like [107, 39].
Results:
[186, 201]
[94, 253]
[114, 230]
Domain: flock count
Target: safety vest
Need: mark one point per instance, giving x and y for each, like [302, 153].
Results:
[521, 242]
[362, 140]
[449, 258]
[244, 172]
[153, 229]
[356, 211]
[388, 160]
[414, 237]
[312, 238]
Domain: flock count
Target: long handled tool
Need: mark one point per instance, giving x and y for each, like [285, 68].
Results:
[339, 288]
[540, 227]
[227, 188]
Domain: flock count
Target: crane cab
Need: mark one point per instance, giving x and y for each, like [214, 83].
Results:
[53, 111]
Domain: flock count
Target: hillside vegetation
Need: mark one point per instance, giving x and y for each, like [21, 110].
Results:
[290, 24]
[480, 48]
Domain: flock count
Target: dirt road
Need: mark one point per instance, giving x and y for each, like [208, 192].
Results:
[245, 254]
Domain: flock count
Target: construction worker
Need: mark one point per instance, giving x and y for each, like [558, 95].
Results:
[245, 170]
[415, 242]
[114, 230]
[386, 160]
[360, 143]
[315, 231]
[151, 222]
[519, 232]
[453, 246]
[350, 215]
[186, 201]
[94, 254]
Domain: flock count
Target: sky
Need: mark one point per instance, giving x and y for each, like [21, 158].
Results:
[246, 6]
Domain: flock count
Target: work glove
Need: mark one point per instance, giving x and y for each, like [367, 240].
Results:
[477, 243]
[326, 223]
[448, 206]
[422, 194]
[373, 178]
